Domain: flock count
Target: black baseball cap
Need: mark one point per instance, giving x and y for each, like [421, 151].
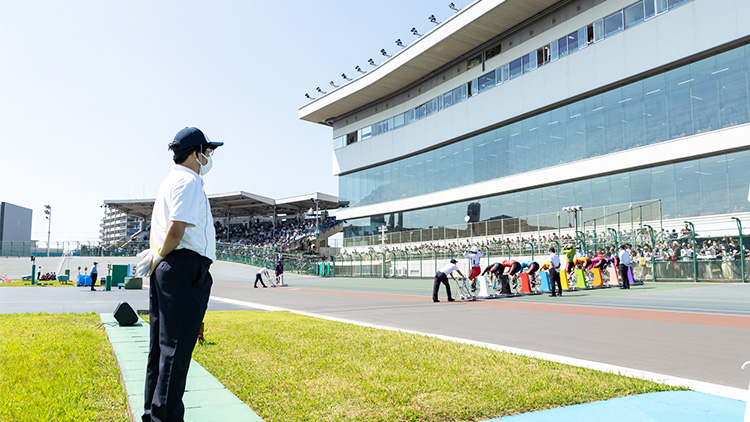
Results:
[192, 137]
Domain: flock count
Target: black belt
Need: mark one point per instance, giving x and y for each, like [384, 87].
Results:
[191, 254]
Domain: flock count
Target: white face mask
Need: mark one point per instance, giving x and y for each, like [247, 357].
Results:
[205, 168]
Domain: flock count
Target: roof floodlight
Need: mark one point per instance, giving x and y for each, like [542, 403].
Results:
[383, 52]
[320, 90]
[308, 96]
[433, 20]
[415, 32]
[372, 62]
[359, 69]
[453, 7]
[343, 75]
[334, 85]
[399, 43]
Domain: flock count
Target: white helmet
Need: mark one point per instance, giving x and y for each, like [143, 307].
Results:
[474, 249]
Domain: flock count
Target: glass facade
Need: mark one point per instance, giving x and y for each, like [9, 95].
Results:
[568, 44]
[706, 186]
[703, 96]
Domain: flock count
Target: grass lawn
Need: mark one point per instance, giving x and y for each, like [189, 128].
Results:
[58, 368]
[55, 283]
[289, 367]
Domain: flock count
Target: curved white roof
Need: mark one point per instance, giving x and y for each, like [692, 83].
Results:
[473, 26]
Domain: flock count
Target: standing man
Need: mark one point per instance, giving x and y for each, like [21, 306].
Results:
[623, 267]
[183, 246]
[442, 277]
[279, 272]
[94, 275]
[474, 256]
[554, 272]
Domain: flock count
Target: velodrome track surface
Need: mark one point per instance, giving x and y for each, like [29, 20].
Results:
[695, 331]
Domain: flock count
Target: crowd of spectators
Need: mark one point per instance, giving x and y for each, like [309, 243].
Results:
[292, 235]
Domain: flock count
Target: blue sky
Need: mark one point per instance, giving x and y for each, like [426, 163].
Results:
[91, 92]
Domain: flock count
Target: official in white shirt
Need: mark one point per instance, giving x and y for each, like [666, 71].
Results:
[259, 277]
[183, 246]
[623, 267]
[442, 277]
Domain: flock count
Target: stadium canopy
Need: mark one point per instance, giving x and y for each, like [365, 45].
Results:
[476, 24]
[238, 204]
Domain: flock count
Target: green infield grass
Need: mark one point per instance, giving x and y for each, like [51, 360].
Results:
[51, 283]
[289, 367]
[58, 367]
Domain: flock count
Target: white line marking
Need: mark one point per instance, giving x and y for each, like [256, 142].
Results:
[700, 386]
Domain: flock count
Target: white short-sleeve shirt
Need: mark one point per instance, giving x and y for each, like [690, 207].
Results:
[181, 198]
[449, 269]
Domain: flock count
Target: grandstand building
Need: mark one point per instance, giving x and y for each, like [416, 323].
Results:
[117, 225]
[509, 111]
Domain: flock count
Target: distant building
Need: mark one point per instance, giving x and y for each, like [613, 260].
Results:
[117, 225]
[15, 230]
[507, 113]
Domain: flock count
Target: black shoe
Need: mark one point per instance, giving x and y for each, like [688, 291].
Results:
[450, 299]
[255, 287]
[265, 287]
[435, 300]
[552, 295]
[93, 290]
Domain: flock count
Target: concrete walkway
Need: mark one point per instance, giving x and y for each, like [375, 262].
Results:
[206, 399]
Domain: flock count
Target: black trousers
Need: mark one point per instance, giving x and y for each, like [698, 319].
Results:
[554, 281]
[93, 280]
[178, 294]
[440, 277]
[258, 278]
[624, 276]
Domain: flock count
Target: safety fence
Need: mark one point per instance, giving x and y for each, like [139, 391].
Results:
[425, 265]
[620, 217]
[656, 258]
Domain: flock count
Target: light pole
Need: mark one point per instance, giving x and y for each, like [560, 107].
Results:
[575, 209]
[48, 212]
[695, 250]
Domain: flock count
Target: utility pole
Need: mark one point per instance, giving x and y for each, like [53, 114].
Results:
[48, 211]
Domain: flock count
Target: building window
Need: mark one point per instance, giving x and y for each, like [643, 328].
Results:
[634, 15]
[649, 8]
[487, 81]
[398, 121]
[599, 30]
[365, 133]
[460, 94]
[613, 24]
[572, 42]
[516, 68]
[473, 62]
[447, 99]
[492, 52]
[562, 46]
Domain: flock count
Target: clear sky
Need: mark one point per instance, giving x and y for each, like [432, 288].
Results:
[91, 93]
